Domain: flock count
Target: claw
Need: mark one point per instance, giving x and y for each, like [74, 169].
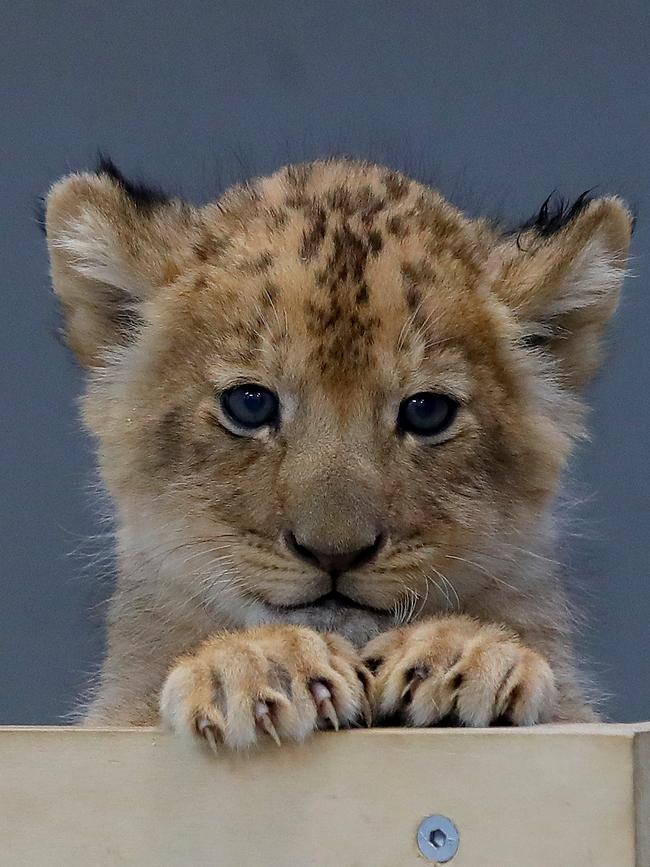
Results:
[208, 734]
[366, 710]
[323, 698]
[263, 719]
[269, 728]
[414, 678]
[327, 711]
[205, 729]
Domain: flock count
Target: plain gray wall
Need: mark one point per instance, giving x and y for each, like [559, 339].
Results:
[502, 101]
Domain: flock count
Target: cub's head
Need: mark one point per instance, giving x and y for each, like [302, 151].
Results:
[329, 397]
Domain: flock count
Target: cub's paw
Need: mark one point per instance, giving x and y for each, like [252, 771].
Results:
[454, 670]
[281, 682]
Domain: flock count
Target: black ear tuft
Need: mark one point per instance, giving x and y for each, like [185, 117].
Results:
[556, 213]
[39, 213]
[144, 196]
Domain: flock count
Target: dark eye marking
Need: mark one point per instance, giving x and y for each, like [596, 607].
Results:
[426, 414]
[250, 406]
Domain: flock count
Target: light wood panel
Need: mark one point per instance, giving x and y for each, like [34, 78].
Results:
[567, 796]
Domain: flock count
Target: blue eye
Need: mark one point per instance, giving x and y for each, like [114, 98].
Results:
[426, 413]
[250, 406]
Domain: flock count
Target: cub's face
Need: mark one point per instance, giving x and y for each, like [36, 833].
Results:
[330, 398]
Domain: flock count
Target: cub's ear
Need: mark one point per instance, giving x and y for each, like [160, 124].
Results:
[561, 276]
[112, 244]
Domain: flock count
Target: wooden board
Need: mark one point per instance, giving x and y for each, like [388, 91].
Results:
[567, 796]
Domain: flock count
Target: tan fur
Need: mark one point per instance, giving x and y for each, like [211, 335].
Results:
[344, 288]
[277, 667]
[455, 668]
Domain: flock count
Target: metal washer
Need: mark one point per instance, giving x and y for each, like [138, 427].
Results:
[438, 839]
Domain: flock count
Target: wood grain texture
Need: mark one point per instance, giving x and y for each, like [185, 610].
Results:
[567, 796]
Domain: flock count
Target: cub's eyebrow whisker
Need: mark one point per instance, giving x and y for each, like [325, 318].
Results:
[431, 344]
[407, 324]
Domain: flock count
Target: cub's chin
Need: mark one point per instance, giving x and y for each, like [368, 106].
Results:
[334, 614]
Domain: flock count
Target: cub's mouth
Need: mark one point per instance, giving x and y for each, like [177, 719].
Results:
[333, 612]
[331, 600]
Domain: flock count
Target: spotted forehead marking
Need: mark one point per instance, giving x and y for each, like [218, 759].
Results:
[338, 316]
[314, 233]
[330, 221]
[345, 219]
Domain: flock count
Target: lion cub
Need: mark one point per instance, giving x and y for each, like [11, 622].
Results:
[332, 412]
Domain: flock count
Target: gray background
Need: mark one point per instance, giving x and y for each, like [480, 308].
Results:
[500, 102]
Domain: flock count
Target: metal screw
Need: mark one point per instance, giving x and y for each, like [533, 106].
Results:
[438, 839]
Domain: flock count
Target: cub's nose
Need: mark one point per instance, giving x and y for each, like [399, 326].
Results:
[334, 562]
